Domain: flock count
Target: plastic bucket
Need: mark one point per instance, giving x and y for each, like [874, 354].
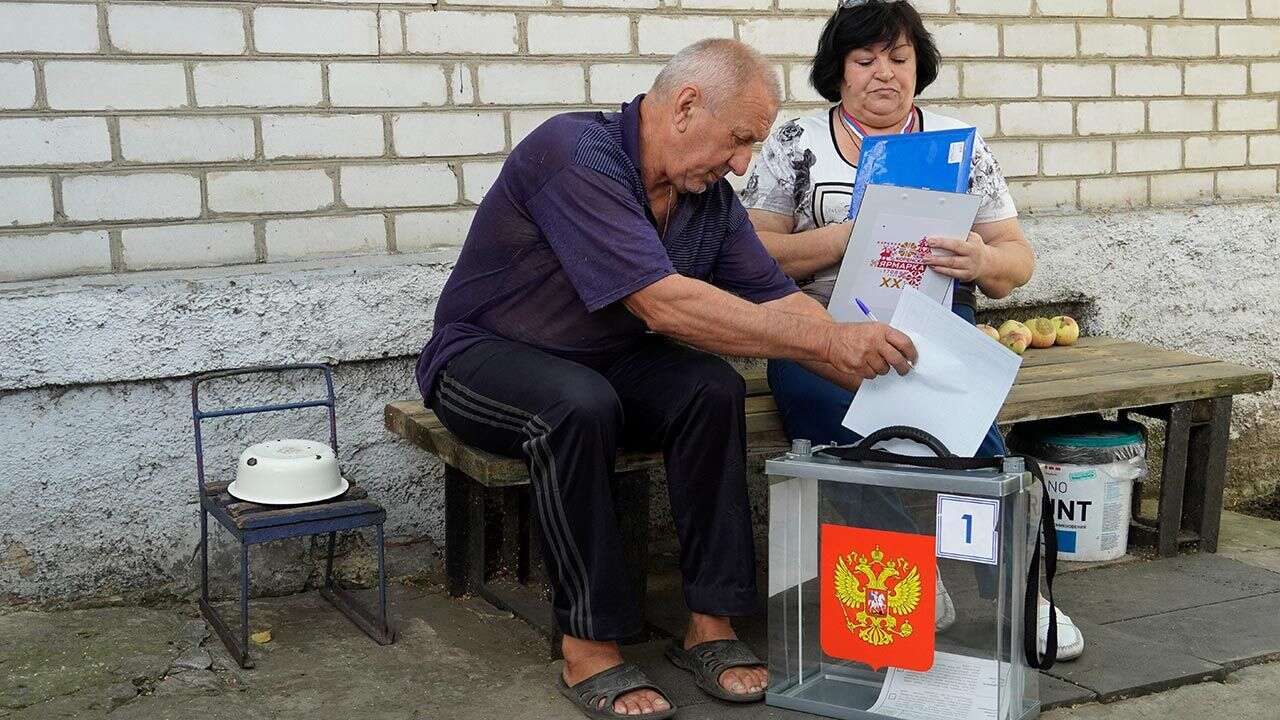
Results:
[1090, 465]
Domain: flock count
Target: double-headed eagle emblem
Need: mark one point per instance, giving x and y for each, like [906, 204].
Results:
[892, 591]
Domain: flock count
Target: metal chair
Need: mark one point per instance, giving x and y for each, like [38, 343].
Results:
[252, 523]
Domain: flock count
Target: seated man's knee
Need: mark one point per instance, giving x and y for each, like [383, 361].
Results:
[720, 384]
[592, 404]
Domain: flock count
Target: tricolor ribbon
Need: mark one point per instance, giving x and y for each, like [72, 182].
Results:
[857, 129]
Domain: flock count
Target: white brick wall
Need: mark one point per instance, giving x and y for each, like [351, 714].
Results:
[186, 30]
[325, 236]
[1077, 158]
[374, 186]
[258, 84]
[1148, 154]
[162, 139]
[1148, 79]
[382, 84]
[266, 191]
[1111, 118]
[309, 31]
[138, 135]
[448, 133]
[141, 196]
[172, 246]
[17, 85]
[579, 34]
[50, 28]
[317, 136]
[1063, 80]
[53, 141]
[620, 82]
[54, 254]
[461, 32]
[518, 83]
[428, 230]
[665, 35]
[78, 85]
[25, 201]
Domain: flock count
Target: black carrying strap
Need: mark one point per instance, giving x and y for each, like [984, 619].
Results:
[864, 452]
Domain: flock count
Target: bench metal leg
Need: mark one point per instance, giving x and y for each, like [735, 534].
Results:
[1207, 473]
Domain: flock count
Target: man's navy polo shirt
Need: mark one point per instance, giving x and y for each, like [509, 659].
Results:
[565, 233]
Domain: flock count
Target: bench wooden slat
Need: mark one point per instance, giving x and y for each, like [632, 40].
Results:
[1098, 367]
[1037, 401]
[757, 383]
[1085, 348]
[409, 419]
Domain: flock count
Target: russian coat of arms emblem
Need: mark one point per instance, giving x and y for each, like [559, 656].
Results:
[877, 602]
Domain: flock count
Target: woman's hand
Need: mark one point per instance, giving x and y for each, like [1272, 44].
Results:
[969, 260]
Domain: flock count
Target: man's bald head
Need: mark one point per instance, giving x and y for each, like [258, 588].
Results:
[707, 109]
[721, 69]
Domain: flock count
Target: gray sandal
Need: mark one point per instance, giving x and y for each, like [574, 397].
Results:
[708, 661]
[610, 685]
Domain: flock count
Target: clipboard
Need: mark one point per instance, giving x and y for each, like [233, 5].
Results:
[886, 250]
[934, 160]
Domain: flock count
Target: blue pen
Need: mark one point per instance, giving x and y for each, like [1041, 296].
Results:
[866, 310]
[872, 317]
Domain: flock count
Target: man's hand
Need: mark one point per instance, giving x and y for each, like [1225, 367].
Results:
[869, 349]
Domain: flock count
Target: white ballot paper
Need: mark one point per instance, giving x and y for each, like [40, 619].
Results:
[887, 249]
[957, 687]
[956, 388]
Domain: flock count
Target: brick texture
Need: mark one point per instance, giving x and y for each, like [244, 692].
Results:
[147, 135]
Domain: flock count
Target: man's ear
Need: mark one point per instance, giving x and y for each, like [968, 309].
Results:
[682, 112]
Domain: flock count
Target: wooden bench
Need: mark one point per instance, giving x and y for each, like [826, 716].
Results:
[491, 546]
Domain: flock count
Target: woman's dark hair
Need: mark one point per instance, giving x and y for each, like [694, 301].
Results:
[874, 23]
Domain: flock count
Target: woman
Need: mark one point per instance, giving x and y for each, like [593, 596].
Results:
[873, 59]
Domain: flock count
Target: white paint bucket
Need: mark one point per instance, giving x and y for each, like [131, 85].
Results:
[1090, 466]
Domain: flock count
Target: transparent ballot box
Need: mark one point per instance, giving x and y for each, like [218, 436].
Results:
[858, 626]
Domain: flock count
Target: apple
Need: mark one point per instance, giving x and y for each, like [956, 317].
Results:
[1017, 338]
[990, 332]
[1043, 332]
[1009, 325]
[1068, 330]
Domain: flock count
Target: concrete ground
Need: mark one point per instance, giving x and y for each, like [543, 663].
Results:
[454, 659]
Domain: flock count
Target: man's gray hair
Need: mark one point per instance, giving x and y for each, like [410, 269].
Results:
[720, 68]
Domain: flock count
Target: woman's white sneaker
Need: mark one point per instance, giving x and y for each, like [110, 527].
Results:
[1070, 639]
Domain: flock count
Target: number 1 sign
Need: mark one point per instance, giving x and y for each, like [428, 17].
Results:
[966, 528]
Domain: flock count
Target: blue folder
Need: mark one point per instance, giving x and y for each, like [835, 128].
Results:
[935, 160]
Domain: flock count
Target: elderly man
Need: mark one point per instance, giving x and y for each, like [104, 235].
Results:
[608, 249]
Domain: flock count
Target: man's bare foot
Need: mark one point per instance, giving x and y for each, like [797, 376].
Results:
[739, 680]
[584, 658]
